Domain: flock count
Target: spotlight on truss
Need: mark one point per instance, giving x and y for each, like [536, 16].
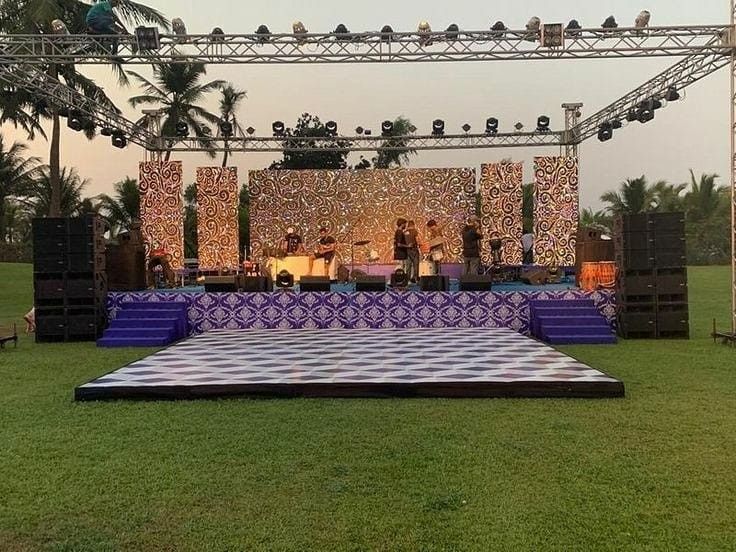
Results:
[299, 31]
[182, 129]
[491, 125]
[331, 128]
[498, 30]
[226, 128]
[605, 132]
[147, 38]
[75, 120]
[387, 33]
[452, 32]
[610, 23]
[466, 128]
[217, 35]
[278, 128]
[645, 113]
[672, 95]
[58, 27]
[250, 130]
[118, 139]
[573, 28]
[438, 127]
[616, 123]
[359, 130]
[263, 34]
[543, 124]
[533, 26]
[412, 129]
[425, 33]
[642, 20]
[106, 131]
[387, 128]
[342, 34]
[180, 30]
[519, 127]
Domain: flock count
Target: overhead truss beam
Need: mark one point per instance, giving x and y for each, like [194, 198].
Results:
[368, 47]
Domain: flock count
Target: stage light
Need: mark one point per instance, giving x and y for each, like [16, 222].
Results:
[642, 20]
[632, 115]
[645, 112]
[367, 132]
[147, 38]
[498, 29]
[226, 128]
[616, 123]
[278, 128]
[573, 28]
[491, 125]
[180, 30]
[299, 31]
[452, 32]
[182, 129]
[359, 130]
[605, 132]
[88, 125]
[399, 278]
[285, 280]
[466, 127]
[424, 31]
[341, 32]
[533, 26]
[331, 128]
[553, 35]
[543, 124]
[387, 128]
[438, 127]
[75, 120]
[106, 131]
[58, 27]
[217, 35]
[250, 130]
[610, 23]
[519, 127]
[412, 129]
[387, 33]
[119, 140]
[263, 34]
[672, 95]
[657, 103]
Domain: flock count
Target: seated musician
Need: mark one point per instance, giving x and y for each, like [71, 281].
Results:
[159, 257]
[292, 243]
[325, 250]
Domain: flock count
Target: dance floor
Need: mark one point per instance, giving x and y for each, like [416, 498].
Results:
[421, 362]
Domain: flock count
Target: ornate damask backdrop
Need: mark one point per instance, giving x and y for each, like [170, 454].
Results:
[501, 210]
[359, 205]
[217, 217]
[556, 204]
[162, 222]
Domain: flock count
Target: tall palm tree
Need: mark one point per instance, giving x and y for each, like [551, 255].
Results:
[385, 158]
[668, 197]
[704, 197]
[122, 208]
[230, 100]
[595, 219]
[16, 223]
[634, 196]
[177, 89]
[35, 17]
[17, 173]
[38, 198]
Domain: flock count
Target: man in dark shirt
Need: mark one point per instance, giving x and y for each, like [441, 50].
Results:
[292, 243]
[471, 247]
[400, 247]
[412, 251]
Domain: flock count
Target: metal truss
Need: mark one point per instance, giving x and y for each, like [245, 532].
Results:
[366, 143]
[732, 134]
[367, 47]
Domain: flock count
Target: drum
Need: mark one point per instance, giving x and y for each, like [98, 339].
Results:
[426, 268]
[607, 273]
[589, 276]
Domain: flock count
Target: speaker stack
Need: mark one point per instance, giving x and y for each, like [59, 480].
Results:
[652, 289]
[69, 279]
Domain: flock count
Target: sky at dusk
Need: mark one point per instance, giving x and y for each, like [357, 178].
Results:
[689, 134]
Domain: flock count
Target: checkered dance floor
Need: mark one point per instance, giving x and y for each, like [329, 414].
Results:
[426, 362]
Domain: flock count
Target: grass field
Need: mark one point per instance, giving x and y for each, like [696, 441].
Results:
[654, 471]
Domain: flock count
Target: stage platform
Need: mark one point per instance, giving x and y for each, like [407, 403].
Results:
[418, 362]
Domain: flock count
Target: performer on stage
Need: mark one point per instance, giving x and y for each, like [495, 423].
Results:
[292, 243]
[400, 247]
[471, 247]
[412, 251]
[159, 257]
[325, 250]
[436, 244]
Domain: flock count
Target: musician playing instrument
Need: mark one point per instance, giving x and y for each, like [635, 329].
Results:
[326, 246]
[292, 243]
[436, 243]
[159, 257]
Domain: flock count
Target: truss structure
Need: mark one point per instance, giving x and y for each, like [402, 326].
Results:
[732, 133]
[367, 47]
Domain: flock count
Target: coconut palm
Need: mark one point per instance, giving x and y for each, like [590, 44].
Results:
[17, 173]
[704, 197]
[595, 219]
[35, 17]
[668, 197]
[634, 196]
[39, 197]
[385, 158]
[230, 100]
[177, 89]
[122, 208]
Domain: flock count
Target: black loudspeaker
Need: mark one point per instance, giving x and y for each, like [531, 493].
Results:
[255, 284]
[434, 283]
[314, 283]
[476, 283]
[220, 284]
[371, 283]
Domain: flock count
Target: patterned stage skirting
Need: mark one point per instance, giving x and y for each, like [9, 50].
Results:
[390, 309]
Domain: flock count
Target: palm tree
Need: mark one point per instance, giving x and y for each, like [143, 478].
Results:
[17, 174]
[124, 207]
[595, 219]
[230, 99]
[177, 88]
[704, 196]
[668, 197]
[35, 17]
[635, 196]
[38, 198]
[16, 223]
[386, 159]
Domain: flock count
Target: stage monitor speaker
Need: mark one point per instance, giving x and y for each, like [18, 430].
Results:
[476, 283]
[256, 284]
[220, 284]
[436, 282]
[314, 283]
[371, 283]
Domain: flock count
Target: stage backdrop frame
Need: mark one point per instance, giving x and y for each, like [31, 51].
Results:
[556, 210]
[217, 218]
[501, 202]
[162, 207]
[359, 205]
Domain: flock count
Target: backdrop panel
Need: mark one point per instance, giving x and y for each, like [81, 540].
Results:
[162, 221]
[217, 217]
[556, 215]
[501, 210]
[359, 205]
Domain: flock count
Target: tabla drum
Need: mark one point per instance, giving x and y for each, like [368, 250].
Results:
[426, 268]
[607, 274]
[589, 276]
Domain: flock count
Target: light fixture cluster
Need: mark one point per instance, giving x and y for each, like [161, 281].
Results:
[79, 122]
[643, 112]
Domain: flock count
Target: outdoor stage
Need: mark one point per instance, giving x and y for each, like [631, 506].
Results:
[418, 362]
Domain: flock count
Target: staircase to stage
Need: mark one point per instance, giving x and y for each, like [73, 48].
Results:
[569, 321]
[146, 324]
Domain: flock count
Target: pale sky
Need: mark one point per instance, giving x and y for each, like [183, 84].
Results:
[688, 134]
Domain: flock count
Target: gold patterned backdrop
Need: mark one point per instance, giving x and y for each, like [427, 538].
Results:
[162, 221]
[217, 217]
[556, 204]
[359, 205]
[500, 210]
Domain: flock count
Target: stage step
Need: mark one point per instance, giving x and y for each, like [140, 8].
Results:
[569, 321]
[146, 324]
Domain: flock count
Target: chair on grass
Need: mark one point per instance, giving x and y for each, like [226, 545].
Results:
[6, 337]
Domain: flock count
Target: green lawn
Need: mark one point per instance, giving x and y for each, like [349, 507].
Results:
[654, 471]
